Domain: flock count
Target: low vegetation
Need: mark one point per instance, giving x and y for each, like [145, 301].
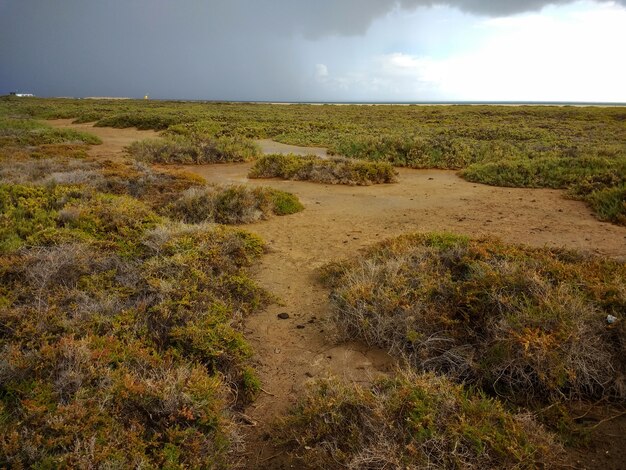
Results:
[25, 132]
[120, 342]
[117, 357]
[196, 151]
[121, 300]
[235, 204]
[411, 421]
[523, 323]
[319, 170]
[573, 148]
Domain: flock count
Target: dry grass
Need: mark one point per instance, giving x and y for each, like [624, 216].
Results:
[328, 171]
[194, 150]
[234, 204]
[523, 323]
[412, 421]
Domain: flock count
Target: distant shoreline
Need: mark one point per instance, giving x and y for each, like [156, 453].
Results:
[376, 103]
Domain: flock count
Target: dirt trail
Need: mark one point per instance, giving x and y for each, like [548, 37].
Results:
[340, 220]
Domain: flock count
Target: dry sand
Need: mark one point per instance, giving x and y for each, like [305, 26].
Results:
[339, 221]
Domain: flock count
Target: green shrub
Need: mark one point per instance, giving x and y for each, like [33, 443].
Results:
[412, 421]
[142, 121]
[331, 171]
[610, 203]
[443, 150]
[182, 150]
[25, 132]
[38, 215]
[523, 323]
[129, 359]
[235, 204]
[558, 173]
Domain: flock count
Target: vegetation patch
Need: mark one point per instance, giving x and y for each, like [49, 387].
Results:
[235, 204]
[25, 132]
[411, 421]
[120, 341]
[574, 148]
[197, 150]
[522, 323]
[110, 359]
[319, 170]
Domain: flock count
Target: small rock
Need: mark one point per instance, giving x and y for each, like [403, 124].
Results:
[308, 374]
[431, 179]
[283, 316]
[610, 319]
[300, 327]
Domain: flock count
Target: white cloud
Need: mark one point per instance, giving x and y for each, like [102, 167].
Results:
[321, 72]
[560, 54]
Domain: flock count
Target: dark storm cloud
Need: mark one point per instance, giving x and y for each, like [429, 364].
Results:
[318, 18]
[222, 49]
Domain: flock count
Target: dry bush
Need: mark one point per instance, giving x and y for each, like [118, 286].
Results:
[194, 150]
[49, 170]
[411, 422]
[329, 171]
[234, 204]
[521, 322]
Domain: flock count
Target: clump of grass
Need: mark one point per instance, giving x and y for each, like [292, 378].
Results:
[328, 171]
[143, 120]
[196, 150]
[441, 150]
[552, 172]
[50, 215]
[411, 421]
[25, 132]
[524, 323]
[235, 204]
[610, 203]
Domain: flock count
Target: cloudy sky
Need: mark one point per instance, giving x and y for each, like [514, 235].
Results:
[316, 50]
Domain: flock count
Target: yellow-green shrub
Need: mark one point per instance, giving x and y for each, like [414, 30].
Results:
[411, 421]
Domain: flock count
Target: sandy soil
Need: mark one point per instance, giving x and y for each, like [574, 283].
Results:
[340, 220]
[269, 146]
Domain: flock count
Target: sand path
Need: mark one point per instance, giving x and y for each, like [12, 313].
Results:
[337, 222]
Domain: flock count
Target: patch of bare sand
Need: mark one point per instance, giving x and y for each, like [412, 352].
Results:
[339, 221]
[270, 146]
[113, 140]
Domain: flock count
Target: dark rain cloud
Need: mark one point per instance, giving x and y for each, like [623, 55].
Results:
[319, 18]
[222, 49]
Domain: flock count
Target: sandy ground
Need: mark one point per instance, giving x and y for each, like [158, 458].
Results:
[339, 221]
[269, 146]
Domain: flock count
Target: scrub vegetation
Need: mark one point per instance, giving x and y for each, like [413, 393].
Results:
[411, 421]
[196, 150]
[235, 204]
[122, 295]
[120, 341]
[484, 331]
[581, 149]
[526, 324]
[319, 170]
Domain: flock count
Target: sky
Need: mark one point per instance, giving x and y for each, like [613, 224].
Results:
[316, 50]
